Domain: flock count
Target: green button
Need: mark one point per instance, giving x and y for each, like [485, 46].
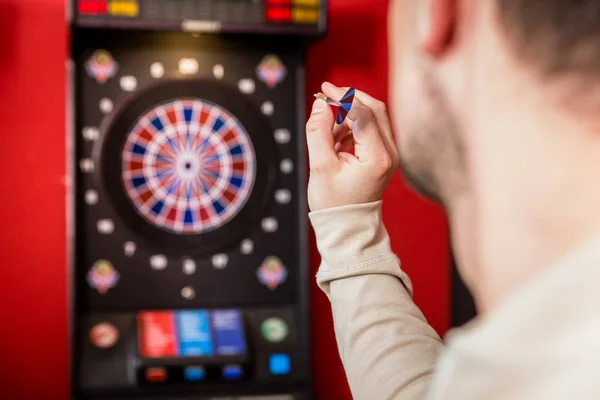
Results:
[274, 329]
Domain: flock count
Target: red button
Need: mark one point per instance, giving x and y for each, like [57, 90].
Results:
[279, 14]
[157, 336]
[104, 335]
[279, 2]
[156, 374]
[92, 6]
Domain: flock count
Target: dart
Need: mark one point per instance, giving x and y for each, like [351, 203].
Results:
[343, 106]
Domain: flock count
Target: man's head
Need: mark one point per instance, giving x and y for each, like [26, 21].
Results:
[496, 108]
[448, 56]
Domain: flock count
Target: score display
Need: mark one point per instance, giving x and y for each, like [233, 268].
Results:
[272, 16]
[190, 333]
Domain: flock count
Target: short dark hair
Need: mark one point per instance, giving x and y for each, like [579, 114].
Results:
[554, 36]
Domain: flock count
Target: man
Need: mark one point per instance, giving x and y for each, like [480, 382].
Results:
[496, 110]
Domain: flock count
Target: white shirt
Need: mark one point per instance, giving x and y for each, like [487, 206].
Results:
[542, 343]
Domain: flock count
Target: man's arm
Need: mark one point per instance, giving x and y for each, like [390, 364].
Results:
[387, 348]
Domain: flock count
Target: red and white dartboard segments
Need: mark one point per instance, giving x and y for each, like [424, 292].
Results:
[188, 166]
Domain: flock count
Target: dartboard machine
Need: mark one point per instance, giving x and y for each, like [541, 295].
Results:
[189, 264]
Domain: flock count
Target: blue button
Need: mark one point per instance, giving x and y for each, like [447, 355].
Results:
[279, 364]
[228, 326]
[193, 328]
[194, 373]
[232, 372]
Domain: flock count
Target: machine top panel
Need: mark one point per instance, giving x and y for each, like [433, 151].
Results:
[293, 17]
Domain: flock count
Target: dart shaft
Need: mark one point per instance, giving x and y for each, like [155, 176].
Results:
[329, 100]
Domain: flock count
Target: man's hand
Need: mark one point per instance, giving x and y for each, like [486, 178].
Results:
[354, 162]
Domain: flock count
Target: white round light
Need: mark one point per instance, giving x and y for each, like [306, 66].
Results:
[86, 165]
[91, 197]
[128, 83]
[246, 86]
[106, 105]
[189, 266]
[287, 166]
[188, 293]
[90, 133]
[105, 226]
[158, 262]
[129, 248]
[188, 66]
[283, 196]
[282, 136]
[267, 108]
[218, 71]
[269, 224]
[157, 70]
[219, 261]
[247, 246]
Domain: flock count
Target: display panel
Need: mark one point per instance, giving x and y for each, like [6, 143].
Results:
[272, 16]
[191, 333]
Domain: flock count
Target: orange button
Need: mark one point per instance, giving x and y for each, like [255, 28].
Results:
[124, 8]
[307, 2]
[156, 374]
[305, 15]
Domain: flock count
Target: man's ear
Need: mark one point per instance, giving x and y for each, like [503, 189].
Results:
[436, 21]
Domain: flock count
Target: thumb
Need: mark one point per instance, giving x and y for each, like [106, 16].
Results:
[369, 145]
[319, 137]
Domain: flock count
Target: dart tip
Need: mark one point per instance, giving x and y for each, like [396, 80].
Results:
[321, 96]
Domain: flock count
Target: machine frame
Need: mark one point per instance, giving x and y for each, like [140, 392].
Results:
[72, 189]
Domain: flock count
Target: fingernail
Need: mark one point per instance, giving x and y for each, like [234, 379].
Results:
[329, 84]
[318, 106]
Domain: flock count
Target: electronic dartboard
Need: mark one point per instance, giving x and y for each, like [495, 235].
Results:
[189, 233]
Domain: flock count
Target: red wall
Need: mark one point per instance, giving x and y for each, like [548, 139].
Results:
[33, 333]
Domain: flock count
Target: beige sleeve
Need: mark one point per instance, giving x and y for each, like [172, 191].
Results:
[387, 348]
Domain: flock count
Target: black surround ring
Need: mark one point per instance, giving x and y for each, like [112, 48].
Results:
[250, 117]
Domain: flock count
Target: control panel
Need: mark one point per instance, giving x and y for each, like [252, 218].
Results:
[215, 347]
